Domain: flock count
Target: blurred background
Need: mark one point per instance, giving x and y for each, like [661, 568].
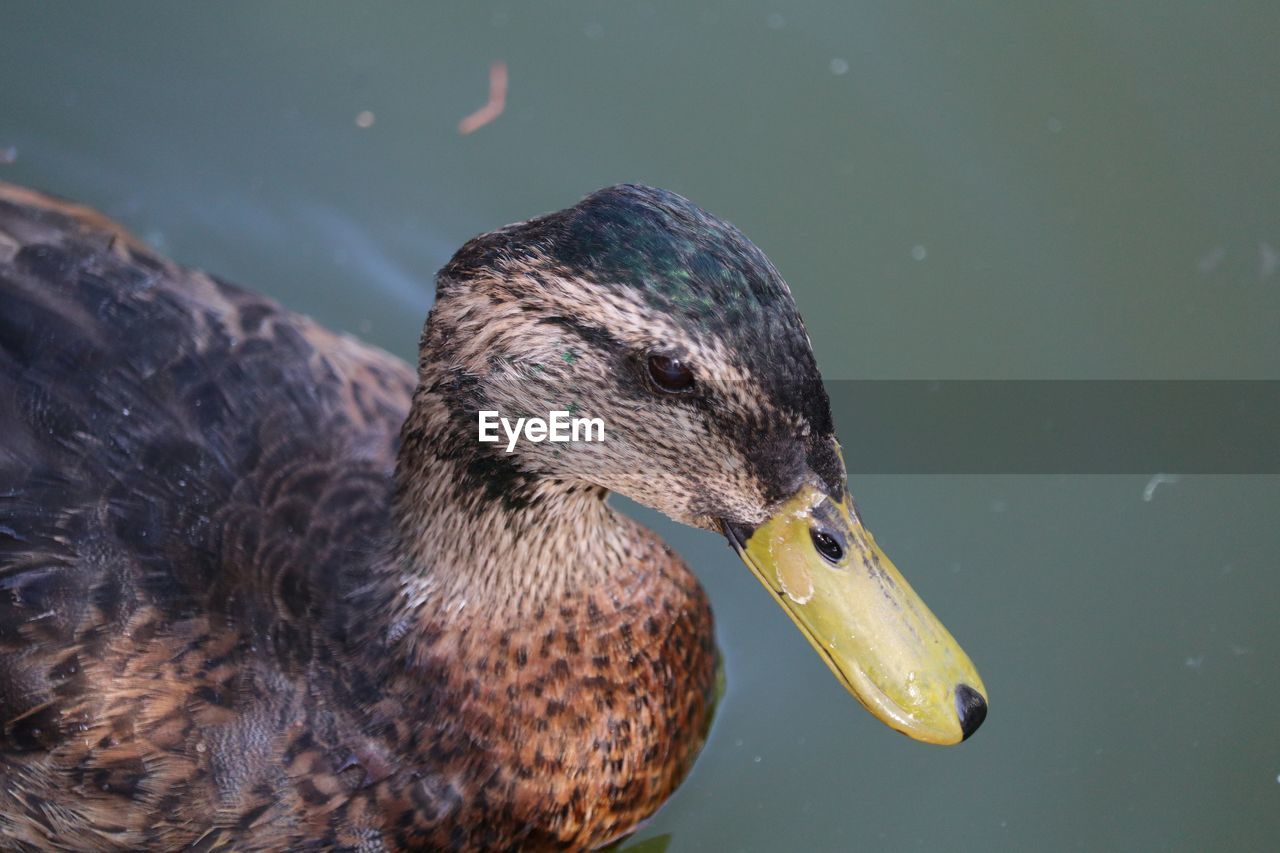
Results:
[987, 190]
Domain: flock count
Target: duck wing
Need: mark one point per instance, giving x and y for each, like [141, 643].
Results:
[190, 479]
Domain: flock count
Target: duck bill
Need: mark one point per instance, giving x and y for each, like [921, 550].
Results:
[863, 618]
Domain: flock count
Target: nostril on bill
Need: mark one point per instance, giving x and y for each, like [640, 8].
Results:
[971, 708]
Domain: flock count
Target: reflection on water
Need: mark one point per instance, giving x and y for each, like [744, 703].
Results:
[1007, 190]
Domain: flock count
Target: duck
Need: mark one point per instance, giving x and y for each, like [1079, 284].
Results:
[262, 587]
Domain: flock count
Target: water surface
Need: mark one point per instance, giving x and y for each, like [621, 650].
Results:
[964, 191]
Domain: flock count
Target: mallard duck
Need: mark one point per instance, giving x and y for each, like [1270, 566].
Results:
[264, 588]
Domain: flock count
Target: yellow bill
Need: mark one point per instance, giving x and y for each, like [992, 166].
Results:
[864, 619]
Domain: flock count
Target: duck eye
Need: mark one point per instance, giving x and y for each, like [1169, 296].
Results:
[827, 546]
[670, 374]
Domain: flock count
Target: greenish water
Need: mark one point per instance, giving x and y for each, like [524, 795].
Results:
[978, 191]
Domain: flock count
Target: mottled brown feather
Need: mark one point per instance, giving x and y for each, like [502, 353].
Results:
[212, 631]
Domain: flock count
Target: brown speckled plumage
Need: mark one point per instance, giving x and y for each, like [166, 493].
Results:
[256, 592]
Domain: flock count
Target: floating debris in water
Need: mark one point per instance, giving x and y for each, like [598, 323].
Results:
[8, 155]
[919, 252]
[775, 21]
[1054, 125]
[156, 239]
[593, 31]
[1155, 482]
[839, 67]
[496, 104]
[1210, 260]
[1268, 260]
[365, 119]
[1194, 662]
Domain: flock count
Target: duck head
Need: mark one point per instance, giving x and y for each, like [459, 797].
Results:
[639, 309]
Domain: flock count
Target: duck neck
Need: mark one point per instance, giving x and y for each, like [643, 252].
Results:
[478, 534]
[547, 648]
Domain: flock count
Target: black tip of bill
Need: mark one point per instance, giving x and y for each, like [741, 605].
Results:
[971, 708]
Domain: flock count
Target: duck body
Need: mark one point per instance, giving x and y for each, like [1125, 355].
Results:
[212, 632]
[262, 587]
